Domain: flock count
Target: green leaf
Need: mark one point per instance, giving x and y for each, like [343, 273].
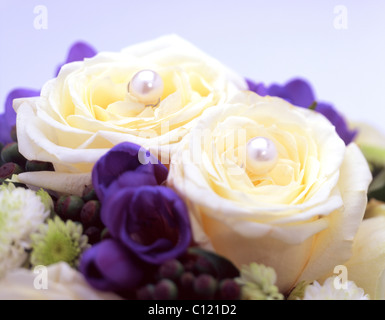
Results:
[313, 106]
[223, 267]
[377, 187]
[373, 154]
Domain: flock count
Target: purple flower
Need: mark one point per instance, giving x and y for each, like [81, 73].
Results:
[77, 52]
[152, 221]
[300, 93]
[8, 118]
[148, 222]
[338, 121]
[109, 266]
[149, 219]
[121, 167]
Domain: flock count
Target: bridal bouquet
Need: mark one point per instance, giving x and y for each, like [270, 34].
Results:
[158, 173]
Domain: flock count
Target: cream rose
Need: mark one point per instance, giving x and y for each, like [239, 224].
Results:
[56, 282]
[87, 109]
[299, 218]
[366, 267]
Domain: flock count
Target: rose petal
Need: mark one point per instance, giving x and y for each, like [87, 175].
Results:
[334, 245]
[68, 183]
[367, 264]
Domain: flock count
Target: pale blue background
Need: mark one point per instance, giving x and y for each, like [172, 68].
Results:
[265, 40]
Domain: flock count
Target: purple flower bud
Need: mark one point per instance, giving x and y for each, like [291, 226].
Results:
[109, 266]
[121, 168]
[152, 221]
[149, 220]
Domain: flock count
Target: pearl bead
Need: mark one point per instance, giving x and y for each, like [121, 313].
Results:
[147, 87]
[261, 155]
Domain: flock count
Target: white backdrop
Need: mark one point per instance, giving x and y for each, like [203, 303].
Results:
[270, 41]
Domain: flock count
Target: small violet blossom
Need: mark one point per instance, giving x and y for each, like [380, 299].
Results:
[77, 52]
[300, 93]
[148, 222]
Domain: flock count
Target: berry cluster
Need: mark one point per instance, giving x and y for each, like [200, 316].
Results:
[12, 161]
[197, 274]
[86, 210]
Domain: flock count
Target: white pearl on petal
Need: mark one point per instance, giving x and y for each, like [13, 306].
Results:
[147, 86]
[261, 155]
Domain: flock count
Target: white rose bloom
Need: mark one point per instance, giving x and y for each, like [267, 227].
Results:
[21, 214]
[366, 267]
[56, 282]
[87, 109]
[300, 217]
[333, 289]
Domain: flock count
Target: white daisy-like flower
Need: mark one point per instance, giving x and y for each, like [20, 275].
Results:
[330, 291]
[258, 283]
[21, 213]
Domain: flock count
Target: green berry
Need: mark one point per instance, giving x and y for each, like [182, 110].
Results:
[205, 286]
[90, 214]
[186, 285]
[171, 269]
[10, 153]
[69, 207]
[89, 193]
[166, 289]
[9, 169]
[229, 290]
[146, 292]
